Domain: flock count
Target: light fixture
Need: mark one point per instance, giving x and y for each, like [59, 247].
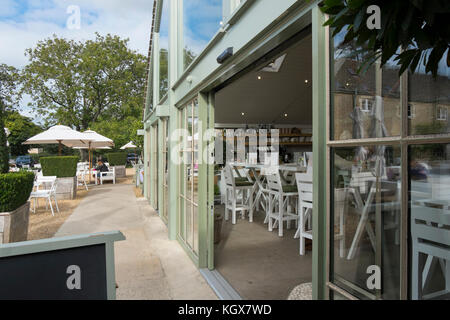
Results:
[259, 77]
[243, 113]
[306, 81]
[286, 115]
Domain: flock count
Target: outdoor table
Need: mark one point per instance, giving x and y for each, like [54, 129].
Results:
[258, 187]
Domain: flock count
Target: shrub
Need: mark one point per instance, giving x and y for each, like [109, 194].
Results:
[117, 159]
[61, 167]
[15, 189]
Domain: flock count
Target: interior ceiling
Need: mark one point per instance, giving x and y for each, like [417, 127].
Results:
[268, 100]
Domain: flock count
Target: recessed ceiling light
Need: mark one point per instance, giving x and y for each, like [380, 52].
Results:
[243, 113]
[306, 81]
[286, 115]
[259, 77]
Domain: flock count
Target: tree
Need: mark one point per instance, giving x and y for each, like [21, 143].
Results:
[80, 83]
[21, 128]
[8, 96]
[420, 28]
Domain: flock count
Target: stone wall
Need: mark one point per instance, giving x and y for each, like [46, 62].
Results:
[14, 225]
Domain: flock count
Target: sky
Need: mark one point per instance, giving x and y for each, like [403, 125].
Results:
[24, 22]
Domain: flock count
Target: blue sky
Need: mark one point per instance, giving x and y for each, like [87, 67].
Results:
[25, 22]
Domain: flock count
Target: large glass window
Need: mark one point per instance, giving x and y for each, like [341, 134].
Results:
[366, 216]
[390, 210]
[189, 177]
[164, 50]
[431, 100]
[363, 97]
[429, 180]
[201, 21]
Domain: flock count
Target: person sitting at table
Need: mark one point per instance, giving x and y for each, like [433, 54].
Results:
[101, 167]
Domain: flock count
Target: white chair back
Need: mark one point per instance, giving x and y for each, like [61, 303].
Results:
[229, 178]
[305, 186]
[274, 182]
[47, 180]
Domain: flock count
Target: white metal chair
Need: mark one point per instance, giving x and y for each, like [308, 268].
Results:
[305, 208]
[283, 196]
[49, 183]
[238, 196]
[81, 178]
[108, 176]
[430, 230]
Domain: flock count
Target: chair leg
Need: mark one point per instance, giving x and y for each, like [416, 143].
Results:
[227, 206]
[269, 213]
[416, 276]
[250, 213]
[302, 230]
[56, 203]
[280, 215]
[51, 206]
[233, 217]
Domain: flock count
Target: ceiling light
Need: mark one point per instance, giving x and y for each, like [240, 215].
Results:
[286, 115]
[243, 113]
[306, 81]
[259, 77]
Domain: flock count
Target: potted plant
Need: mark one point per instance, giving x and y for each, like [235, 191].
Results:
[65, 169]
[118, 161]
[14, 205]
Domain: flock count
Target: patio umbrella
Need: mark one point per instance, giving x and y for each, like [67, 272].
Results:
[379, 131]
[358, 131]
[129, 145]
[95, 141]
[59, 135]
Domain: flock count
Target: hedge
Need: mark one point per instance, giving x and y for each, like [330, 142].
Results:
[117, 159]
[15, 189]
[61, 167]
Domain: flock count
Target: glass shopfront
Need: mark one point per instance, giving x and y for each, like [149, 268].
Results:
[388, 180]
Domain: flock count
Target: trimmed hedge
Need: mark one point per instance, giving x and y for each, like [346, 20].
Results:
[15, 189]
[117, 159]
[61, 167]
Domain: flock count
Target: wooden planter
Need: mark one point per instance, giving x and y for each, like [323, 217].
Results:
[14, 224]
[121, 171]
[66, 188]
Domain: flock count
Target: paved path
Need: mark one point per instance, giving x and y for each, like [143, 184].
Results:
[148, 265]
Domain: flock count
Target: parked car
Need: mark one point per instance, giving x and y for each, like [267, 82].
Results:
[132, 157]
[24, 160]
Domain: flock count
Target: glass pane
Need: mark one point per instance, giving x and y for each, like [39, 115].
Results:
[195, 228]
[365, 101]
[189, 224]
[164, 50]
[366, 215]
[429, 101]
[429, 176]
[202, 20]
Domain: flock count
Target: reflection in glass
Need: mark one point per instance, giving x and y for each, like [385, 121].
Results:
[429, 176]
[366, 219]
[361, 95]
[164, 50]
[201, 21]
[430, 99]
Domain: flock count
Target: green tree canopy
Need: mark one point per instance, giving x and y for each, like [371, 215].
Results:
[80, 83]
[21, 128]
[8, 97]
[420, 28]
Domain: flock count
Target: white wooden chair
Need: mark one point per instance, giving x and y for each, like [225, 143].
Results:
[430, 230]
[238, 196]
[305, 208]
[283, 196]
[49, 183]
[108, 176]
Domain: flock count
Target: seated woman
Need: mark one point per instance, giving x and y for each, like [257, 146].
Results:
[101, 167]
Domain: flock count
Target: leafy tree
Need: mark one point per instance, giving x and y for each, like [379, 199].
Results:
[21, 128]
[420, 27]
[8, 96]
[80, 83]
